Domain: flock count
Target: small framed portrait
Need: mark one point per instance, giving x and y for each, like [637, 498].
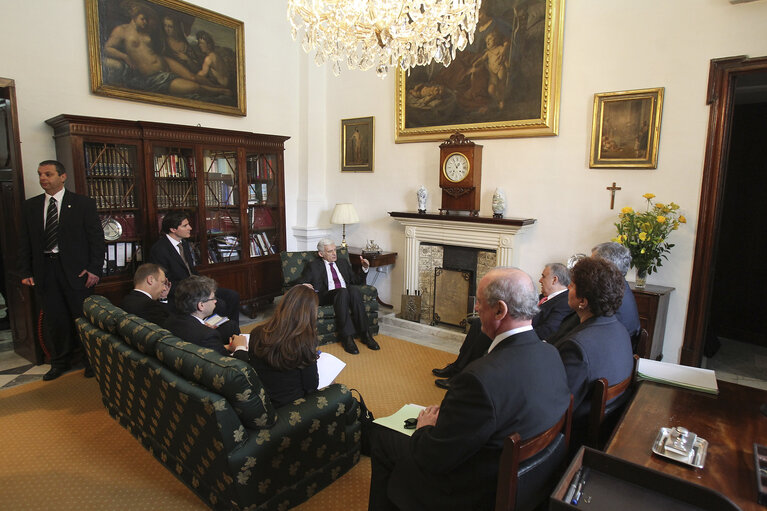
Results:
[357, 151]
[626, 129]
[166, 52]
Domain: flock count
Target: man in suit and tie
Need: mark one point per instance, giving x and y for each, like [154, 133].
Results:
[451, 461]
[553, 309]
[61, 254]
[333, 280]
[149, 286]
[195, 300]
[172, 252]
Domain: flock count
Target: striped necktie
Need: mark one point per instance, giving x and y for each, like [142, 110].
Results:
[51, 226]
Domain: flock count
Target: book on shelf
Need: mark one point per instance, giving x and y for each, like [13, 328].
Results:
[261, 218]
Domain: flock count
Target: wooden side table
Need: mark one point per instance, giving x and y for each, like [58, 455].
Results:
[378, 261]
[652, 305]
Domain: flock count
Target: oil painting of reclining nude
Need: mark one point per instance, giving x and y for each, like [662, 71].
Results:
[166, 52]
[503, 84]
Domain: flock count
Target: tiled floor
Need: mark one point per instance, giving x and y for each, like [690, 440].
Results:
[740, 362]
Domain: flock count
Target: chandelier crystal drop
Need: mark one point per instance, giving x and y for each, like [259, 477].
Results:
[383, 33]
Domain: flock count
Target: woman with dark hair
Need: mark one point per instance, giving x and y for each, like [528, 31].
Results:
[283, 351]
[599, 346]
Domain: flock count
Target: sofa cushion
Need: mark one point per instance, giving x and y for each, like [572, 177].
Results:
[100, 312]
[224, 375]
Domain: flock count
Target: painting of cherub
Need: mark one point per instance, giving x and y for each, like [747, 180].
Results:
[166, 52]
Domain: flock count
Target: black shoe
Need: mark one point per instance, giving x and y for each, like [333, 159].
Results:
[443, 383]
[446, 372]
[54, 373]
[368, 341]
[348, 343]
[88, 372]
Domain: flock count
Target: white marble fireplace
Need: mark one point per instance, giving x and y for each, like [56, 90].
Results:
[464, 231]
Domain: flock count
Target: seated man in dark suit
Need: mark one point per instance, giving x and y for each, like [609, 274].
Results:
[333, 280]
[149, 286]
[553, 309]
[172, 252]
[195, 300]
[451, 461]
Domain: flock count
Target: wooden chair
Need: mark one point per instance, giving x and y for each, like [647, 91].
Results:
[518, 456]
[600, 395]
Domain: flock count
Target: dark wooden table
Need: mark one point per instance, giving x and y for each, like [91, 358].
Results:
[381, 259]
[730, 422]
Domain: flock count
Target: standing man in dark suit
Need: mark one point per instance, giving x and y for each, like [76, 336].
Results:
[553, 309]
[196, 300]
[149, 285]
[61, 254]
[172, 252]
[451, 461]
[333, 279]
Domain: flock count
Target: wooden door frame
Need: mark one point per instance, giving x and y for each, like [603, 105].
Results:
[721, 89]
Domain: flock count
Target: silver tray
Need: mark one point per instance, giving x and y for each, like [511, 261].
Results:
[695, 459]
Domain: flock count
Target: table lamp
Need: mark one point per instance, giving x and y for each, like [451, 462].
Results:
[344, 213]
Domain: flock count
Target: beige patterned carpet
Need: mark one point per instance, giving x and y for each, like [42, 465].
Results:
[59, 448]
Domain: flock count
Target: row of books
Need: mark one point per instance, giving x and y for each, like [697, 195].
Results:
[171, 194]
[258, 193]
[223, 248]
[220, 163]
[112, 193]
[260, 166]
[221, 190]
[174, 165]
[260, 245]
[122, 257]
[127, 221]
[260, 217]
[109, 160]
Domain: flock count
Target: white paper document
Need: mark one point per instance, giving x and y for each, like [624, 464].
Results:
[328, 367]
[694, 378]
[397, 421]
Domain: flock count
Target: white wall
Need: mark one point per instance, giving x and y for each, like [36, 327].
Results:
[609, 46]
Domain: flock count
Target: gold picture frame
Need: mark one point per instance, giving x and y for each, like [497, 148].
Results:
[357, 144]
[505, 84]
[166, 52]
[625, 130]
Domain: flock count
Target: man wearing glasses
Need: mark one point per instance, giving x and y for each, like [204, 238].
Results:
[195, 300]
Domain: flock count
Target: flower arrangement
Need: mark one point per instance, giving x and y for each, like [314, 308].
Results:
[646, 234]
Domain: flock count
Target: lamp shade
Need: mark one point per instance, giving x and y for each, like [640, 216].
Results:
[344, 213]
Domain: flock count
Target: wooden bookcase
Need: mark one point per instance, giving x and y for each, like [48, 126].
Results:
[231, 184]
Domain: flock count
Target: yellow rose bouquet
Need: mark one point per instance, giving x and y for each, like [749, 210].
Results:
[645, 234]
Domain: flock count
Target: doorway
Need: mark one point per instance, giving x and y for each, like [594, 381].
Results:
[727, 272]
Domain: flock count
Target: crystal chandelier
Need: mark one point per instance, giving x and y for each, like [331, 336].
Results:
[383, 33]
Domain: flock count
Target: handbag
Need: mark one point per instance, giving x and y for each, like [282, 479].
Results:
[366, 421]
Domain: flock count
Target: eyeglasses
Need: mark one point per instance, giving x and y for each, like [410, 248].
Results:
[208, 299]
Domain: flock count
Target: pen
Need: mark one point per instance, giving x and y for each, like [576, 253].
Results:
[573, 485]
[579, 492]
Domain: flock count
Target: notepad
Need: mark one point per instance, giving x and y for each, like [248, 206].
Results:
[694, 378]
[397, 421]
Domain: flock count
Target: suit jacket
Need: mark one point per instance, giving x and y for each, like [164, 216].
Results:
[81, 239]
[520, 386]
[189, 328]
[599, 347]
[143, 306]
[165, 254]
[628, 314]
[314, 273]
[553, 311]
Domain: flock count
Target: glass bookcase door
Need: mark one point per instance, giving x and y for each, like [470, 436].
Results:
[222, 205]
[263, 204]
[175, 188]
[113, 180]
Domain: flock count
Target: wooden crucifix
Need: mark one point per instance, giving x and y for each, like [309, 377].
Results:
[612, 189]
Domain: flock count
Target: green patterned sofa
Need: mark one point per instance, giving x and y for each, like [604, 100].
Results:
[293, 264]
[207, 418]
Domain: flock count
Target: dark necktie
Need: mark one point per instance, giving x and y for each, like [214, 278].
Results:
[336, 280]
[51, 226]
[180, 247]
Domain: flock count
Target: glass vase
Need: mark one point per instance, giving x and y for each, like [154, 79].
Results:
[641, 279]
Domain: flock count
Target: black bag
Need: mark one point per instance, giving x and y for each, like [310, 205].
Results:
[366, 420]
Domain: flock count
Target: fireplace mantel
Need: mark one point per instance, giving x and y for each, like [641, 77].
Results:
[458, 230]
